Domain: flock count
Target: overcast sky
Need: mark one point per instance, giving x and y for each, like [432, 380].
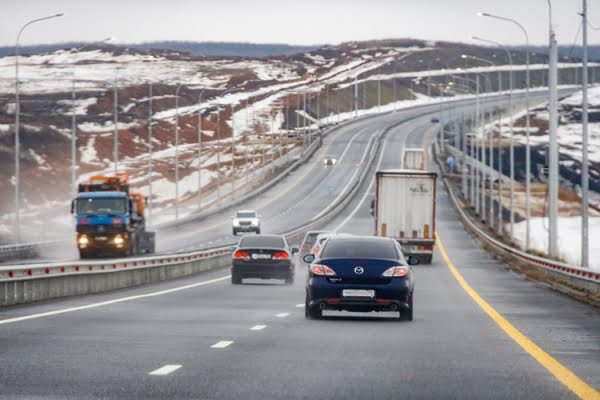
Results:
[293, 22]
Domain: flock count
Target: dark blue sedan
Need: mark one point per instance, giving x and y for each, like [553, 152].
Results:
[360, 273]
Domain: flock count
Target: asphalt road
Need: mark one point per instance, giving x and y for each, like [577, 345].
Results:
[267, 349]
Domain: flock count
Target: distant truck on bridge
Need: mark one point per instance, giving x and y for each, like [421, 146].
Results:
[404, 209]
[109, 219]
[414, 158]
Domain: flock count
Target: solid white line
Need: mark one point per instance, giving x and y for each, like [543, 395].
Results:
[282, 315]
[258, 327]
[221, 345]
[341, 193]
[109, 302]
[166, 370]
[367, 192]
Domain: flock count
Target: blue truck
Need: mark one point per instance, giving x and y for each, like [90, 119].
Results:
[110, 220]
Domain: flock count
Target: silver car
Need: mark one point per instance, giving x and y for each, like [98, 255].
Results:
[245, 221]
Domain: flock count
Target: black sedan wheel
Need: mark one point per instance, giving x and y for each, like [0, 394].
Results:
[235, 278]
[311, 312]
[407, 315]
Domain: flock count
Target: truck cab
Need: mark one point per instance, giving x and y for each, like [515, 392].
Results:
[109, 219]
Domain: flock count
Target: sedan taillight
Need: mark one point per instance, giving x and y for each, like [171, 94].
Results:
[319, 269]
[280, 255]
[242, 255]
[395, 271]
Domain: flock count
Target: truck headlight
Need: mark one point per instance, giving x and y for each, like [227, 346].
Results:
[255, 222]
[119, 240]
[83, 240]
[236, 222]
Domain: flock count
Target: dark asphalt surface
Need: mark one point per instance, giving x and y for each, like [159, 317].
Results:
[451, 350]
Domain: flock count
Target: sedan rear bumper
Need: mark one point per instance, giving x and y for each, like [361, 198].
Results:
[360, 305]
[393, 296]
[278, 270]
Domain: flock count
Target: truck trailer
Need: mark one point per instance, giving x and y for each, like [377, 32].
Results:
[109, 219]
[414, 158]
[404, 209]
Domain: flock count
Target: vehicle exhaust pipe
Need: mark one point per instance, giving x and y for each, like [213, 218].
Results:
[394, 307]
[322, 306]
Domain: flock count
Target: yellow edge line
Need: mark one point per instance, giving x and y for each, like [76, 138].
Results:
[560, 372]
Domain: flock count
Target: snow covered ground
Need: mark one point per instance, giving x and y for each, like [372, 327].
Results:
[569, 239]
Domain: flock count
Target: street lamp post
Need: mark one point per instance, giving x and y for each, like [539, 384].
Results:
[511, 151]
[527, 144]
[584, 160]
[150, 153]
[491, 155]
[74, 121]
[17, 112]
[177, 150]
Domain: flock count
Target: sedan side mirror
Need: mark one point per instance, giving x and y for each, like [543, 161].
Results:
[295, 250]
[308, 258]
[412, 260]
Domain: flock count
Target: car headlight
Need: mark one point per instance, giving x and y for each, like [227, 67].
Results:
[83, 240]
[236, 222]
[119, 239]
[255, 222]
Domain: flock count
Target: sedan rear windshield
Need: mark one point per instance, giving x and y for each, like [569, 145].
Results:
[262, 242]
[378, 249]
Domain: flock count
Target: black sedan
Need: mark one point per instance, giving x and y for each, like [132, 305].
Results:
[359, 273]
[264, 257]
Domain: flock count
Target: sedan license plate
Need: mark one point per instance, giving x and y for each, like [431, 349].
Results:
[101, 238]
[261, 256]
[358, 293]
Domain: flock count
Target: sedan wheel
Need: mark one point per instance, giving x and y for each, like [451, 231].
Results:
[311, 312]
[408, 314]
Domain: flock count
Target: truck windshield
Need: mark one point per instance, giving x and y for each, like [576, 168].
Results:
[101, 206]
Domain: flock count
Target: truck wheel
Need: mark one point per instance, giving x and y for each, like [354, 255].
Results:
[234, 232]
[84, 253]
[290, 279]
[426, 259]
[258, 231]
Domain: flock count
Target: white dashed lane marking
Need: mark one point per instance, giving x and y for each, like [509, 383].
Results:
[299, 305]
[221, 345]
[282, 315]
[166, 370]
[258, 327]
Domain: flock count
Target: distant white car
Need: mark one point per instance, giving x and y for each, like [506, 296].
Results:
[245, 221]
[329, 160]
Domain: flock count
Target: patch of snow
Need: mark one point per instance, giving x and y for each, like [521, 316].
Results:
[104, 127]
[569, 238]
[78, 106]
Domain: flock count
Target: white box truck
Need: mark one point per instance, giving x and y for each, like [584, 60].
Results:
[404, 210]
[414, 158]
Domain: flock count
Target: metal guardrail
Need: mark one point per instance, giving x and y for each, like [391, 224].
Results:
[574, 276]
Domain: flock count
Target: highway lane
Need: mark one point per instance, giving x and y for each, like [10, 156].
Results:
[451, 350]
